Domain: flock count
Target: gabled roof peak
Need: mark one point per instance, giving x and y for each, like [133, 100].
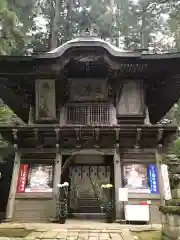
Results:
[87, 40]
[92, 41]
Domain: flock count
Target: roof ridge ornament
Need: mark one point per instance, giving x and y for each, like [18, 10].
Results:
[89, 32]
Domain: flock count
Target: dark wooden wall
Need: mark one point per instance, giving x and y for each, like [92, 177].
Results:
[131, 100]
[32, 209]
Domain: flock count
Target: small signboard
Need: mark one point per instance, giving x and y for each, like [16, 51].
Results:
[165, 180]
[137, 213]
[123, 194]
[152, 172]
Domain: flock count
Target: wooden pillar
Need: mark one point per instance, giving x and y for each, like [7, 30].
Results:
[117, 183]
[57, 179]
[31, 117]
[147, 119]
[14, 182]
[159, 160]
[57, 172]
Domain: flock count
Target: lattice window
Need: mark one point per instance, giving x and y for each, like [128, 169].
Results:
[88, 114]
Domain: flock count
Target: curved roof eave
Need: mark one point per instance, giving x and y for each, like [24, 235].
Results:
[91, 42]
[163, 56]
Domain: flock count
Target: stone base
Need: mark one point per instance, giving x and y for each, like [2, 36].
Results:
[170, 227]
[176, 193]
[121, 221]
[164, 237]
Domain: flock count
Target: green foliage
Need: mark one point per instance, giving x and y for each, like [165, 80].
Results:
[28, 25]
[63, 210]
[176, 149]
[148, 235]
[173, 161]
[9, 32]
[7, 117]
[174, 114]
[174, 27]
[173, 155]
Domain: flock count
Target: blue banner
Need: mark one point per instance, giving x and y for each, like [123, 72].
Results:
[152, 174]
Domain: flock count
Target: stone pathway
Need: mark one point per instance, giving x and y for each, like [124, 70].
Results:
[78, 234]
[77, 230]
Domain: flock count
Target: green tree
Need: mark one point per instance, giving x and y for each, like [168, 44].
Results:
[10, 34]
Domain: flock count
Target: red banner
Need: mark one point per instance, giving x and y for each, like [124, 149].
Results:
[22, 180]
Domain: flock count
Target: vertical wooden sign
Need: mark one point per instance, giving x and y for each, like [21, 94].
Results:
[45, 100]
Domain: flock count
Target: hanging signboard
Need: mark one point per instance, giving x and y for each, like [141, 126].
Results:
[123, 194]
[40, 178]
[165, 181]
[137, 212]
[152, 174]
[23, 174]
[135, 178]
[35, 178]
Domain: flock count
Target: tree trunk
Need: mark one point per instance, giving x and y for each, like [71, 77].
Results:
[55, 25]
[68, 22]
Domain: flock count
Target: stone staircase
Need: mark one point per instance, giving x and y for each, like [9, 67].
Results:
[89, 206]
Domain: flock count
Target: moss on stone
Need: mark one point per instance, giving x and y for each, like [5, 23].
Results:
[170, 209]
[148, 235]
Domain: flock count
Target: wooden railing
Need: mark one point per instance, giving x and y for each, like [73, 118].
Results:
[88, 114]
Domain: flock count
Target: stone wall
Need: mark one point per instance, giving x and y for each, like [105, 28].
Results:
[171, 217]
[170, 227]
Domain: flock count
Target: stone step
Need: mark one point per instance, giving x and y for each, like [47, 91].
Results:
[89, 205]
[97, 216]
[89, 199]
[91, 210]
[86, 196]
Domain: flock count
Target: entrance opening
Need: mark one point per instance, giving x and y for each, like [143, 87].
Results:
[86, 174]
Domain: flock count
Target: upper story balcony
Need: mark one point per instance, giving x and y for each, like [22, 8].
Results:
[89, 114]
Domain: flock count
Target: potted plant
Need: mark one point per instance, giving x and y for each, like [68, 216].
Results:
[108, 204]
[63, 190]
[62, 206]
[109, 212]
[63, 212]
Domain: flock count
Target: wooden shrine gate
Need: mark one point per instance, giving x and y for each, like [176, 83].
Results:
[86, 194]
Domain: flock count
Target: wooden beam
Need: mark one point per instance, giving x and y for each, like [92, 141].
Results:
[118, 183]
[96, 138]
[101, 151]
[160, 133]
[36, 131]
[57, 180]
[78, 132]
[159, 159]
[57, 131]
[138, 137]
[117, 134]
[38, 150]
[15, 136]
